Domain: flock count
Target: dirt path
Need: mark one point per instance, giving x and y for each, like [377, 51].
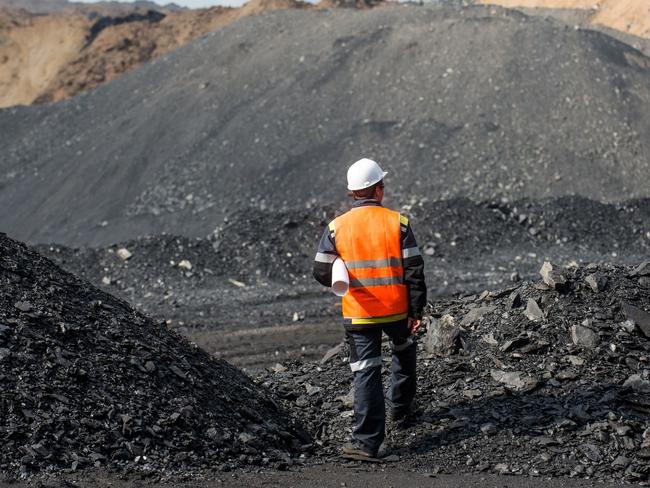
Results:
[327, 475]
[354, 476]
[252, 348]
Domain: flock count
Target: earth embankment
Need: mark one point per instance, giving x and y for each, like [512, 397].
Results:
[630, 16]
[46, 58]
[478, 102]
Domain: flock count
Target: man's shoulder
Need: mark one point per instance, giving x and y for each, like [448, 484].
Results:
[338, 219]
[403, 219]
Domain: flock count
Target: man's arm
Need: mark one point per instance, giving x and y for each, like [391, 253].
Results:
[413, 271]
[325, 256]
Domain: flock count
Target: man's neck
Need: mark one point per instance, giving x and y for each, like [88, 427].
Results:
[363, 202]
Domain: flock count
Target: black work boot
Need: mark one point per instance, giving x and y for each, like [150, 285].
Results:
[400, 418]
[356, 452]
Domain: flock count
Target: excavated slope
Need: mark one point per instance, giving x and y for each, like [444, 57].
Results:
[45, 60]
[477, 102]
[32, 51]
[48, 58]
[631, 16]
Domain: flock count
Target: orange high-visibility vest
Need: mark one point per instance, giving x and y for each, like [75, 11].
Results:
[369, 242]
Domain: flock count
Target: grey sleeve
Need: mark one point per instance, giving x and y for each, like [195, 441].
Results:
[325, 256]
[413, 272]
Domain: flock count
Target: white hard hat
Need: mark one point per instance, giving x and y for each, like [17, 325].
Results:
[363, 174]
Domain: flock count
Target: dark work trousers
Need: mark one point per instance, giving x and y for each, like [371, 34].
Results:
[365, 362]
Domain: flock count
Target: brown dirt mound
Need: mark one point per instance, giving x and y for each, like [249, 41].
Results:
[120, 48]
[32, 51]
[51, 57]
[630, 16]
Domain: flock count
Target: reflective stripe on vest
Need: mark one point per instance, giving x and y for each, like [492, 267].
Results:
[368, 239]
[374, 263]
[386, 280]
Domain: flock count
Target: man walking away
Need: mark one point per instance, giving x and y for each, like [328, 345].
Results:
[387, 294]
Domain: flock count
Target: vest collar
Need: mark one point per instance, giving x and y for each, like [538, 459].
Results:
[366, 202]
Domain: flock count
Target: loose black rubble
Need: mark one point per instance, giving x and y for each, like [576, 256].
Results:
[565, 391]
[256, 267]
[254, 271]
[266, 112]
[88, 381]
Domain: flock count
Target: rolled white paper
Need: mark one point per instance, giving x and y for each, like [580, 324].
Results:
[340, 278]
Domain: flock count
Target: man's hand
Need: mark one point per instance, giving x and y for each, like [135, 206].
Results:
[414, 325]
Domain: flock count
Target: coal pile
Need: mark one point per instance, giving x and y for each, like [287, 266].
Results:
[546, 377]
[88, 381]
[476, 102]
[255, 268]
[245, 272]
[250, 245]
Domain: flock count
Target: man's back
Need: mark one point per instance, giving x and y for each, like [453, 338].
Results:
[359, 236]
[368, 241]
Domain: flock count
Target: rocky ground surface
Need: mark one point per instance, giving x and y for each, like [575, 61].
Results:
[89, 382]
[245, 292]
[441, 96]
[544, 378]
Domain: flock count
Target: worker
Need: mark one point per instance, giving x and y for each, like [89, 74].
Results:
[387, 294]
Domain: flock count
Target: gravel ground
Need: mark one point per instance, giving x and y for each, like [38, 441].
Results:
[326, 476]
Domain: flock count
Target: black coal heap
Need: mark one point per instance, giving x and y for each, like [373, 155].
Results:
[87, 381]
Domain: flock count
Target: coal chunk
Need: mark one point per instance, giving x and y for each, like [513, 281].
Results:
[596, 282]
[584, 336]
[23, 306]
[638, 383]
[639, 317]
[642, 270]
[443, 337]
[533, 312]
[514, 379]
[552, 277]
